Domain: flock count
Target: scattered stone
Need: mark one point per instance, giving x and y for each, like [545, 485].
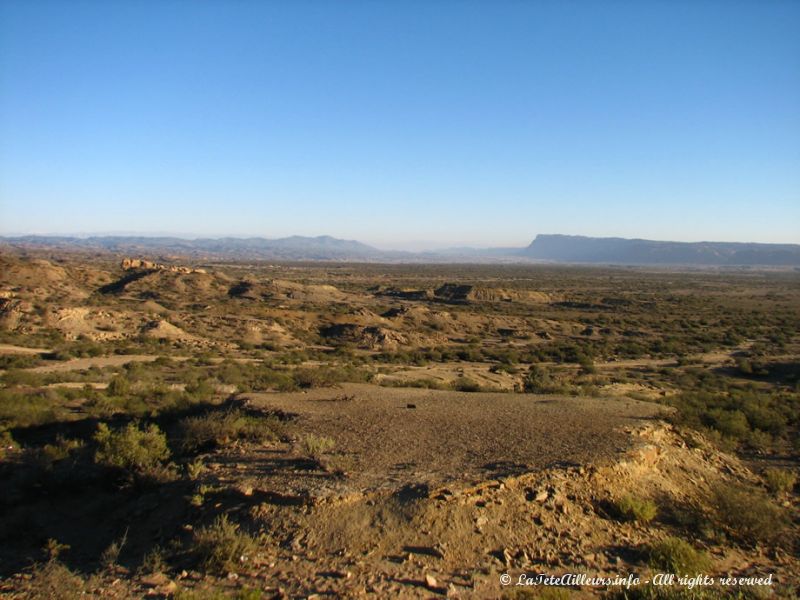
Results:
[155, 580]
[433, 585]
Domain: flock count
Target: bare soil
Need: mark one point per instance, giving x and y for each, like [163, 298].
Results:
[389, 438]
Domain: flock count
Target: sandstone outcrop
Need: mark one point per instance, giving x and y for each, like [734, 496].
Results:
[137, 264]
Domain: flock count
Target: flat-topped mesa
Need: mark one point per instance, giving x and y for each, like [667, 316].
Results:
[137, 264]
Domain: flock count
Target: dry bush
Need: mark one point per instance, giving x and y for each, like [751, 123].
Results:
[222, 547]
[317, 445]
[633, 508]
[131, 448]
[748, 515]
[54, 580]
[674, 555]
[465, 384]
[780, 481]
[218, 429]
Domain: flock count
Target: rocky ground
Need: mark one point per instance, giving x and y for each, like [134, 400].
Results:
[507, 418]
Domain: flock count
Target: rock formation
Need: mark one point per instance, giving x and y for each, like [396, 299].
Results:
[137, 264]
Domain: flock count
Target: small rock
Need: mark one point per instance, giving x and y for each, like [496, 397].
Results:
[169, 589]
[433, 585]
[507, 557]
[155, 580]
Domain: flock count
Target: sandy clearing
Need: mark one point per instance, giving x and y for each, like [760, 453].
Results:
[450, 436]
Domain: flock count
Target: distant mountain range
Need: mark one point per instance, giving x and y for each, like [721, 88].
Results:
[579, 249]
[544, 248]
[295, 247]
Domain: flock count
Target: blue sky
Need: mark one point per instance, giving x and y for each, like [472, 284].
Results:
[402, 124]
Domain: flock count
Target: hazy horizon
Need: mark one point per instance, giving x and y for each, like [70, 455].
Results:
[406, 126]
[409, 246]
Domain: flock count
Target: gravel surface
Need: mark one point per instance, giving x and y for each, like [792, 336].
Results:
[391, 437]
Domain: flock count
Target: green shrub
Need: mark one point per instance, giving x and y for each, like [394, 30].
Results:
[18, 361]
[153, 561]
[222, 547]
[131, 448]
[201, 390]
[195, 468]
[464, 384]
[748, 515]
[632, 508]
[218, 429]
[18, 377]
[539, 380]
[216, 594]
[62, 449]
[23, 409]
[427, 383]
[7, 443]
[732, 424]
[780, 481]
[673, 555]
[118, 386]
[327, 376]
[316, 445]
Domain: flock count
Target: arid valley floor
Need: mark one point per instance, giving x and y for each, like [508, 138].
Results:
[332, 430]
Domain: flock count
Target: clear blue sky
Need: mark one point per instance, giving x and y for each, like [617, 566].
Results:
[402, 123]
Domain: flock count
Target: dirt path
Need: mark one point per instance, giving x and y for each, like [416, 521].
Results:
[10, 349]
[77, 364]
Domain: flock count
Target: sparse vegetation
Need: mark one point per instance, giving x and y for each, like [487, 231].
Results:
[674, 555]
[52, 579]
[780, 481]
[233, 383]
[132, 447]
[219, 428]
[317, 445]
[464, 384]
[633, 508]
[223, 547]
[747, 515]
